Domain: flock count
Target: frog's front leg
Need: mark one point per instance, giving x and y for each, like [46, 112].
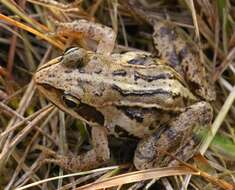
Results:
[151, 152]
[88, 160]
[105, 36]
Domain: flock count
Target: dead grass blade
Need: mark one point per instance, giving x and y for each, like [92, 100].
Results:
[17, 9]
[57, 5]
[138, 176]
[10, 146]
[23, 120]
[228, 59]
[54, 42]
[68, 175]
[153, 174]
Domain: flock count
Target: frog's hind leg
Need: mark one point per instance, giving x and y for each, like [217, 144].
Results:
[104, 35]
[175, 139]
[177, 51]
[88, 160]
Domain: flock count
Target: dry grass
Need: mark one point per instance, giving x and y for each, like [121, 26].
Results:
[30, 128]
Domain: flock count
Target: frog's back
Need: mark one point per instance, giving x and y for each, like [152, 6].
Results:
[130, 79]
[135, 79]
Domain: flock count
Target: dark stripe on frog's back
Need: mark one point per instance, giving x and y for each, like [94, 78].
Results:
[125, 92]
[119, 72]
[137, 75]
[150, 63]
[134, 76]
[150, 78]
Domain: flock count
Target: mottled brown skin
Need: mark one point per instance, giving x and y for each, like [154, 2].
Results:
[83, 28]
[178, 53]
[149, 98]
[148, 91]
[176, 136]
[90, 159]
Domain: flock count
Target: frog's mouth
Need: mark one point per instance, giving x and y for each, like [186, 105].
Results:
[81, 111]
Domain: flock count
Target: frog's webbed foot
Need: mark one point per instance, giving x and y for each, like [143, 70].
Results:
[174, 139]
[88, 160]
[104, 35]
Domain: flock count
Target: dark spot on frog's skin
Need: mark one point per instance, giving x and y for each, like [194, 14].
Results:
[133, 113]
[98, 70]
[68, 79]
[171, 133]
[149, 78]
[141, 92]
[151, 127]
[51, 75]
[68, 71]
[183, 53]
[119, 72]
[186, 68]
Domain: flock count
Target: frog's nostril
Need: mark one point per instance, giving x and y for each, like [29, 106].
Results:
[37, 77]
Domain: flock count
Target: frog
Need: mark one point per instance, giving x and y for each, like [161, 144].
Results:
[153, 98]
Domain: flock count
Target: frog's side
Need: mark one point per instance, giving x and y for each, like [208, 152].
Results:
[134, 91]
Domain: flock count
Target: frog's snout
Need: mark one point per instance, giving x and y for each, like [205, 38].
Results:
[41, 73]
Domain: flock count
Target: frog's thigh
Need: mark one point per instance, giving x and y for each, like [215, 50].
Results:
[150, 152]
[105, 36]
[88, 160]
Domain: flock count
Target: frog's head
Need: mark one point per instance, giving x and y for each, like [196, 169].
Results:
[58, 80]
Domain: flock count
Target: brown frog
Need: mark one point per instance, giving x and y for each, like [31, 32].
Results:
[159, 100]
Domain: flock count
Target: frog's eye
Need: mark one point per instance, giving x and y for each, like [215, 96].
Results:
[73, 57]
[70, 101]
